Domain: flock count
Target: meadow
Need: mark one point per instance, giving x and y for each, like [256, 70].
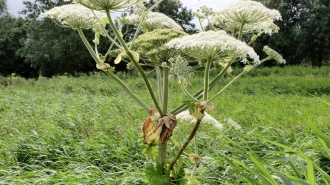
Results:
[86, 130]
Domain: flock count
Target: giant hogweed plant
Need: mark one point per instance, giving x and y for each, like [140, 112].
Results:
[165, 47]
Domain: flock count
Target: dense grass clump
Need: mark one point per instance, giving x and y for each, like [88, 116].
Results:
[86, 130]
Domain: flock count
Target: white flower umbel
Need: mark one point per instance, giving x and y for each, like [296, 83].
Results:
[254, 16]
[211, 45]
[112, 5]
[185, 116]
[248, 12]
[76, 16]
[274, 55]
[154, 20]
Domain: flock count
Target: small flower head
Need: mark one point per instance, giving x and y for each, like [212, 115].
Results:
[180, 68]
[112, 5]
[154, 20]
[211, 45]
[274, 55]
[203, 12]
[150, 45]
[76, 16]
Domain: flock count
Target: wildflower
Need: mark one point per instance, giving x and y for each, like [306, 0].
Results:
[248, 12]
[253, 15]
[211, 45]
[112, 5]
[180, 68]
[154, 20]
[151, 48]
[274, 55]
[76, 16]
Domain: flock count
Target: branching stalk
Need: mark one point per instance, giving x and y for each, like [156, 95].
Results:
[88, 46]
[141, 22]
[136, 64]
[198, 94]
[184, 146]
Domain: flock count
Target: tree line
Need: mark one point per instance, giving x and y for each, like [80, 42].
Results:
[31, 45]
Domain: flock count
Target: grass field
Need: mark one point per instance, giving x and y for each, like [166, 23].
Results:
[86, 130]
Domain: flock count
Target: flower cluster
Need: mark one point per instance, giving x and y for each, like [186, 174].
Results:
[76, 16]
[154, 20]
[203, 12]
[180, 68]
[274, 55]
[112, 5]
[211, 45]
[253, 15]
[150, 45]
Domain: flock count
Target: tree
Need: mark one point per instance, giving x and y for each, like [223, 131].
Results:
[175, 10]
[11, 32]
[53, 49]
[3, 7]
[315, 31]
[304, 30]
[287, 39]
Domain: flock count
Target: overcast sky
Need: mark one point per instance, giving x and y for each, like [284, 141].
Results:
[17, 5]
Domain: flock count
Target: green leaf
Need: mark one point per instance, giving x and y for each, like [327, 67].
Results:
[155, 174]
[262, 169]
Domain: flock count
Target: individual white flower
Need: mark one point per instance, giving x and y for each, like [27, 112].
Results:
[154, 20]
[185, 116]
[112, 5]
[76, 16]
[211, 45]
[274, 55]
[253, 15]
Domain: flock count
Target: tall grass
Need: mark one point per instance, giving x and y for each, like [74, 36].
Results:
[86, 130]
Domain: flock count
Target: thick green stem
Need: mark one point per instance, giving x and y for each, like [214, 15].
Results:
[162, 152]
[136, 64]
[184, 146]
[165, 89]
[88, 46]
[160, 84]
[206, 79]
[240, 36]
